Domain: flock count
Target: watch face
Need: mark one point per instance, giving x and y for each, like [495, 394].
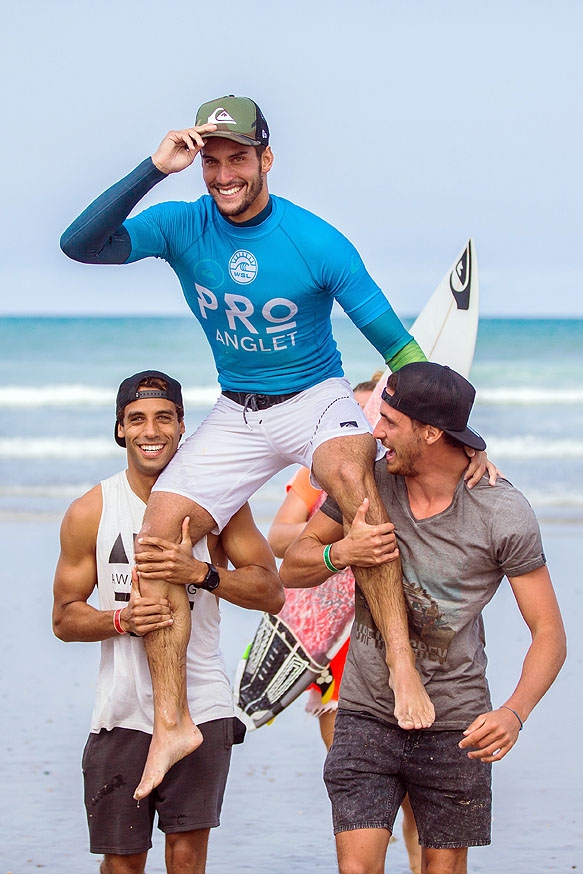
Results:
[212, 579]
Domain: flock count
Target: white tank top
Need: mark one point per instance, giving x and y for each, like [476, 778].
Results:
[124, 688]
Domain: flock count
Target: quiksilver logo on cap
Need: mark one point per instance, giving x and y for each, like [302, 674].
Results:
[220, 116]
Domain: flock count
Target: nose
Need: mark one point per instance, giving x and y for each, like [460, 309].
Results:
[223, 174]
[151, 428]
[378, 431]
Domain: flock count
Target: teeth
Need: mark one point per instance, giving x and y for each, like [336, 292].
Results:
[228, 191]
[152, 447]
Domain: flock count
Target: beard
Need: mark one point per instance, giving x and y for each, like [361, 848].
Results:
[254, 189]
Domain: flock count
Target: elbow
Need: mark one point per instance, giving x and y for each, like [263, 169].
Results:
[59, 630]
[275, 598]
[278, 602]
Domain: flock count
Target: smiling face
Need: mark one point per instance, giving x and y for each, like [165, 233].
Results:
[402, 439]
[152, 432]
[235, 177]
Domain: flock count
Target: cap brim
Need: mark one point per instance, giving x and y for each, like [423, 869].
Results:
[228, 135]
[468, 438]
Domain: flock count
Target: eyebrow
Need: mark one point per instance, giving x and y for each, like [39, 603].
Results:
[238, 154]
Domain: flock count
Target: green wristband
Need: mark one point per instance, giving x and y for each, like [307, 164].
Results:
[328, 560]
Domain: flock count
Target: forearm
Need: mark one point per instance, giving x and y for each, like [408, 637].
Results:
[542, 663]
[252, 587]
[303, 566]
[82, 622]
[97, 235]
[282, 535]
[389, 337]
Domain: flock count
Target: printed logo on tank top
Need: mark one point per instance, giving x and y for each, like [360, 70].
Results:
[121, 573]
[119, 567]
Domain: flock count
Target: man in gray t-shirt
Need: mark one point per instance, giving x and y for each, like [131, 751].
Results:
[455, 545]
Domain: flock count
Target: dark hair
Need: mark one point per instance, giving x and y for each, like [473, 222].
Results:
[162, 385]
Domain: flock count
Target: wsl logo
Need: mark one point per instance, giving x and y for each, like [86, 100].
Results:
[460, 279]
[243, 267]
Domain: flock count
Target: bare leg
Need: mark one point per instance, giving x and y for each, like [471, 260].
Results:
[446, 861]
[362, 850]
[186, 852]
[327, 720]
[344, 468]
[411, 837]
[175, 734]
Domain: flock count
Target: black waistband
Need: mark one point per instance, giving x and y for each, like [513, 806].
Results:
[252, 401]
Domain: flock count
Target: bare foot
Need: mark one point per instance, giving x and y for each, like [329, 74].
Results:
[413, 707]
[167, 747]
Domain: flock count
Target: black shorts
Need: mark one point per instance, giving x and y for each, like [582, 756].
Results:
[372, 764]
[190, 795]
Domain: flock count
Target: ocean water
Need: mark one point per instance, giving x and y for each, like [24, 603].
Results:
[60, 376]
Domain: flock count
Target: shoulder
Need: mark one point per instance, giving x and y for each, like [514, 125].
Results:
[301, 220]
[503, 498]
[81, 521]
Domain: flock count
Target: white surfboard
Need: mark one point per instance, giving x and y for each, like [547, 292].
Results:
[447, 326]
[280, 663]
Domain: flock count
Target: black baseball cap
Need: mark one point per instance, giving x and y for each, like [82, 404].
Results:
[128, 392]
[237, 118]
[436, 395]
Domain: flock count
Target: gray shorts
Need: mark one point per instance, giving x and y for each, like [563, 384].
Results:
[372, 764]
[190, 796]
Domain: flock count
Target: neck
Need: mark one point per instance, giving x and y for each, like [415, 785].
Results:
[431, 491]
[254, 220]
[141, 484]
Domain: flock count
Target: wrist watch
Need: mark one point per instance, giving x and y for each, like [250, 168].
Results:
[212, 579]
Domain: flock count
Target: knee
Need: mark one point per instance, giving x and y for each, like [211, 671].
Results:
[132, 864]
[186, 851]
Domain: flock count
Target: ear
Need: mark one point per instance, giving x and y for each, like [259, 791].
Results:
[267, 160]
[120, 431]
[182, 430]
[432, 434]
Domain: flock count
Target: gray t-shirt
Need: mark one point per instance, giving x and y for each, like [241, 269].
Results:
[452, 565]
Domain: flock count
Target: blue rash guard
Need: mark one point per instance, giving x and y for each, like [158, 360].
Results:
[263, 293]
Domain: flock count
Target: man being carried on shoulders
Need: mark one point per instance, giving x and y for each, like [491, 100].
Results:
[456, 546]
[261, 275]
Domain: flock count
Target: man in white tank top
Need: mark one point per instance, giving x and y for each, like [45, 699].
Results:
[97, 550]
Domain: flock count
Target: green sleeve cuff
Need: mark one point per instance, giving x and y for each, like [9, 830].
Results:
[409, 353]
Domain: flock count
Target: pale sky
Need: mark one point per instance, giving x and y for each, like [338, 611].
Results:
[409, 124]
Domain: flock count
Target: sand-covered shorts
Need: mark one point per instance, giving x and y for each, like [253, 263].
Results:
[372, 764]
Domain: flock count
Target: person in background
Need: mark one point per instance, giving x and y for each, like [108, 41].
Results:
[302, 500]
[97, 551]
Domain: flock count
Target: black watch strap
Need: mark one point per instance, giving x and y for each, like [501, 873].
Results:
[212, 579]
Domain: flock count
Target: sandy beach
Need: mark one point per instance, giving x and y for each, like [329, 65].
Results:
[276, 815]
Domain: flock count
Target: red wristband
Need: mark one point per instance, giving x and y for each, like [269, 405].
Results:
[117, 621]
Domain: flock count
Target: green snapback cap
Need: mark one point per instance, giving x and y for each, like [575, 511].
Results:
[237, 118]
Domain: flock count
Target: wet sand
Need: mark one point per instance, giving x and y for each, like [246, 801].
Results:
[276, 815]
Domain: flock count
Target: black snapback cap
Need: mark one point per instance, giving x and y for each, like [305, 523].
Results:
[436, 395]
[128, 392]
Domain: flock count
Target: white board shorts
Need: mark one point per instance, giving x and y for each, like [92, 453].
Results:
[231, 455]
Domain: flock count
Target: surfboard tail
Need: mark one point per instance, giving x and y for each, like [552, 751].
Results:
[276, 670]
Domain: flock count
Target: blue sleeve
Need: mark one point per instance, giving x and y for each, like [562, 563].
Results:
[363, 301]
[97, 236]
